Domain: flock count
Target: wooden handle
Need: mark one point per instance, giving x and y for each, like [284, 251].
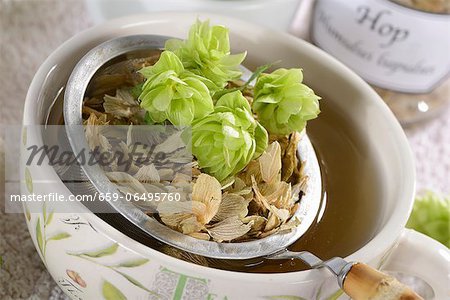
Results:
[363, 283]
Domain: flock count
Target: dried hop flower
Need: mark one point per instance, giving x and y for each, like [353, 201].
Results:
[283, 103]
[172, 93]
[206, 52]
[225, 141]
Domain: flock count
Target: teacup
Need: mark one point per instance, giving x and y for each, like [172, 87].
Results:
[90, 259]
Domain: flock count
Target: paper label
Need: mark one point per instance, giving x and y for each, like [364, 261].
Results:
[390, 46]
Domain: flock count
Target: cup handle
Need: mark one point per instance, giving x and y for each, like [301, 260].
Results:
[419, 255]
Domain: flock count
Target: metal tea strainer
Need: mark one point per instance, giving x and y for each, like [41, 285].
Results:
[271, 247]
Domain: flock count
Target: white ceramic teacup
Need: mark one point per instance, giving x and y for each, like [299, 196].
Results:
[89, 259]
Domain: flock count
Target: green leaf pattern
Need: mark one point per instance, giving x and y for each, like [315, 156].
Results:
[103, 252]
[27, 212]
[92, 257]
[59, 236]
[135, 282]
[39, 238]
[50, 218]
[41, 230]
[28, 181]
[110, 292]
[24, 136]
[133, 263]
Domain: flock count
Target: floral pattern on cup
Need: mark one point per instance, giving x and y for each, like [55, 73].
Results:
[114, 274]
[113, 277]
[42, 238]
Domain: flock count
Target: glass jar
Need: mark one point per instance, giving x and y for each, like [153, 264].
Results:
[401, 47]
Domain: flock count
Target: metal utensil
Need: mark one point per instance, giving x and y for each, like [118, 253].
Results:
[74, 95]
[349, 275]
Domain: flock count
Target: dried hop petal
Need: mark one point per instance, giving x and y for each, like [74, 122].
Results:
[206, 52]
[225, 141]
[172, 93]
[283, 103]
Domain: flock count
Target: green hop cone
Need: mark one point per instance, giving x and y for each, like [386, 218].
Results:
[172, 93]
[431, 216]
[225, 141]
[283, 103]
[206, 52]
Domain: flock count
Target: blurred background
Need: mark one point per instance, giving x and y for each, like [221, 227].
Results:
[259, 11]
[31, 29]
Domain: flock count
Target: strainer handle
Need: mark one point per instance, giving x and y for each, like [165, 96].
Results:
[364, 282]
